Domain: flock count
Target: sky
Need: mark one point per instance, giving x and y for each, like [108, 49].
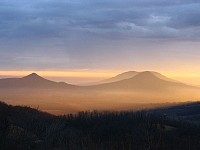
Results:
[85, 40]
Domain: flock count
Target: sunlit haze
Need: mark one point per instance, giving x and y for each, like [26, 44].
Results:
[50, 37]
[88, 76]
[100, 74]
[111, 54]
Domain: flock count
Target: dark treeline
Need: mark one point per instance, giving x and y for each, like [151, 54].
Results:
[24, 128]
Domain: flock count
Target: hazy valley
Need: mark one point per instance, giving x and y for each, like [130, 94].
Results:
[126, 91]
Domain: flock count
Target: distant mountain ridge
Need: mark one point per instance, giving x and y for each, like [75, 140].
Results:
[125, 90]
[31, 81]
[146, 80]
[122, 76]
[128, 75]
[130, 79]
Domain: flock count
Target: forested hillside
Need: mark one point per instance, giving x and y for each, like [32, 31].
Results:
[24, 128]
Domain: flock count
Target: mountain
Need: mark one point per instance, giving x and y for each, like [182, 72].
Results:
[31, 81]
[123, 81]
[144, 81]
[119, 77]
[163, 77]
[126, 91]
[128, 75]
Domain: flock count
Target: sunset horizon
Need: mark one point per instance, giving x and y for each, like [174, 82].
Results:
[99, 75]
[86, 76]
[100, 39]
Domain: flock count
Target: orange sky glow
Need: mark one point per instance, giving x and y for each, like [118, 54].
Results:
[86, 76]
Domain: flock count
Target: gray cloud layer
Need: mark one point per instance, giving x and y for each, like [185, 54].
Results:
[75, 30]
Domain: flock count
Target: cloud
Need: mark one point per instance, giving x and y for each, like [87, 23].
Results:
[50, 18]
[82, 30]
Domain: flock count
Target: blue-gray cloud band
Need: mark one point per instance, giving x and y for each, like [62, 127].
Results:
[132, 18]
[73, 31]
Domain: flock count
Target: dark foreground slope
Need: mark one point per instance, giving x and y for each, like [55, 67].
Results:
[23, 128]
